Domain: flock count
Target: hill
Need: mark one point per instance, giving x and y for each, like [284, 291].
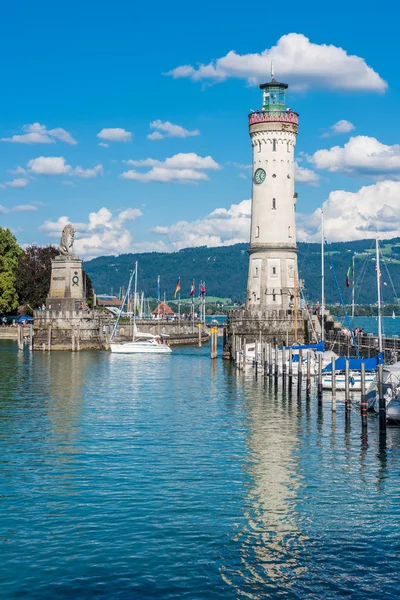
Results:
[224, 269]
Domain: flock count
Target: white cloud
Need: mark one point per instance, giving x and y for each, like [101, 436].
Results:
[303, 175]
[18, 171]
[19, 208]
[180, 168]
[115, 134]
[103, 145]
[57, 165]
[297, 60]
[49, 165]
[39, 134]
[242, 176]
[162, 175]
[356, 215]
[188, 160]
[18, 183]
[339, 127]
[88, 173]
[156, 135]
[361, 155]
[222, 227]
[103, 234]
[170, 130]
[342, 126]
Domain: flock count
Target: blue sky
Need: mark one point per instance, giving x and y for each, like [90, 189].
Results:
[87, 67]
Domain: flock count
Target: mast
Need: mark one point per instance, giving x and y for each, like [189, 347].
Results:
[134, 301]
[158, 305]
[378, 283]
[322, 277]
[122, 306]
[352, 296]
[295, 307]
[179, 305]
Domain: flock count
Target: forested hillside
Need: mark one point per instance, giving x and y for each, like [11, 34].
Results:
[224, 269]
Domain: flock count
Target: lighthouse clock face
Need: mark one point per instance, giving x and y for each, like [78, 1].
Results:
[259, 176]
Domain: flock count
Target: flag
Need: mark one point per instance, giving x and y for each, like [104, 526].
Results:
[192, 289]
[349, 275]
[380, 273]
[202, 289]
[178, 287]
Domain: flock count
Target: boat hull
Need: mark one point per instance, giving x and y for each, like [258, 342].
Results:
[138, 348]
[354, 383]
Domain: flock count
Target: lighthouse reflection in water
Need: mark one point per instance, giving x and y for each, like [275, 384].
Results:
[177, 476]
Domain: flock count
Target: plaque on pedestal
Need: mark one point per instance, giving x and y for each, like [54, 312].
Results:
[66, 285]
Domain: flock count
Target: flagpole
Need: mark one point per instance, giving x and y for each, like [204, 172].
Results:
[193, 309]
[378, 283]
[352, 299]
[158, 305]
[322, 277]
[179, 306]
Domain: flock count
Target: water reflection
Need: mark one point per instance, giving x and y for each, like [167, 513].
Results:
[272, 543]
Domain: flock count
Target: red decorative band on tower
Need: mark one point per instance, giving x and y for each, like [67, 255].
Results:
[264, 116]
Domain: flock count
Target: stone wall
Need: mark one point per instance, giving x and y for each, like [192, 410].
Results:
[275, 327]
[68, 330]
[91, 330]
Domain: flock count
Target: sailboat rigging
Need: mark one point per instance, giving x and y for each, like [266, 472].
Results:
[141, 342]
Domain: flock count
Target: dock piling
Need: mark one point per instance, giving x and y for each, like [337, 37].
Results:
[308, 377]
[300, 373]
[364, 405]
[333, 384]
[347, 388]
[319, 388]
[290, 369]
[382, 402]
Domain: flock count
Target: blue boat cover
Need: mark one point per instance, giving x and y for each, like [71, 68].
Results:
[355, 364]
[320, 347]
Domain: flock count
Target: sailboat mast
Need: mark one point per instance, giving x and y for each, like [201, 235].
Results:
[295, 307]
[352, 295]
[322, 277]
[378, 283]
[134, 300]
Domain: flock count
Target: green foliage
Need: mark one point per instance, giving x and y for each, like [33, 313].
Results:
[224, 270]
[33, 275]
[9, 256]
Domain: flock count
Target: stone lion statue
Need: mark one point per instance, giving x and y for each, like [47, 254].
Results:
[67, 240]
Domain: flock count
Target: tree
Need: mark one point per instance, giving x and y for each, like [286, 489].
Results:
[9, 256]
[34, 273]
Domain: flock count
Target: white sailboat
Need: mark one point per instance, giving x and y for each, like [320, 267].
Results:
[141, 342]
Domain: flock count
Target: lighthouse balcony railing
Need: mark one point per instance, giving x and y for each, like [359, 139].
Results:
[271, 116]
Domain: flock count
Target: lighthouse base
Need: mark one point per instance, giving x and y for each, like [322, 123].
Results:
[276, 327]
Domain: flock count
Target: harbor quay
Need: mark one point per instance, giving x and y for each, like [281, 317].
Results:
[80, 330]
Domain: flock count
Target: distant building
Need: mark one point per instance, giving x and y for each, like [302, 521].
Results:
[108, 301]
[163, 310]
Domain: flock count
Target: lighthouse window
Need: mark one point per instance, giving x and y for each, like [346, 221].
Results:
[273, 204]
[289, 231]
[273, 297]
[256, 271]
[288, 146]
[257, 232]
[273, 270]
[273, 145]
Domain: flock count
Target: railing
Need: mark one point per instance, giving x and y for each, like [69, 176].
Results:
[265, 116]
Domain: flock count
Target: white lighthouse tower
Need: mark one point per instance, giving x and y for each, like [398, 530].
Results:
[273, 275]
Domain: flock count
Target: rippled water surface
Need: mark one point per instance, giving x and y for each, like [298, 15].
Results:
[174, 477]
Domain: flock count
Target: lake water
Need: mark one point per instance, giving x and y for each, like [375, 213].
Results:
[140, 477]
[370, 325]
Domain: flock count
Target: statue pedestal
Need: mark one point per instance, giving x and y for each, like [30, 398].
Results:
[66, 287]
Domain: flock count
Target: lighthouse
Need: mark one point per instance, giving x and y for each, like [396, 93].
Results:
[273, 277]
